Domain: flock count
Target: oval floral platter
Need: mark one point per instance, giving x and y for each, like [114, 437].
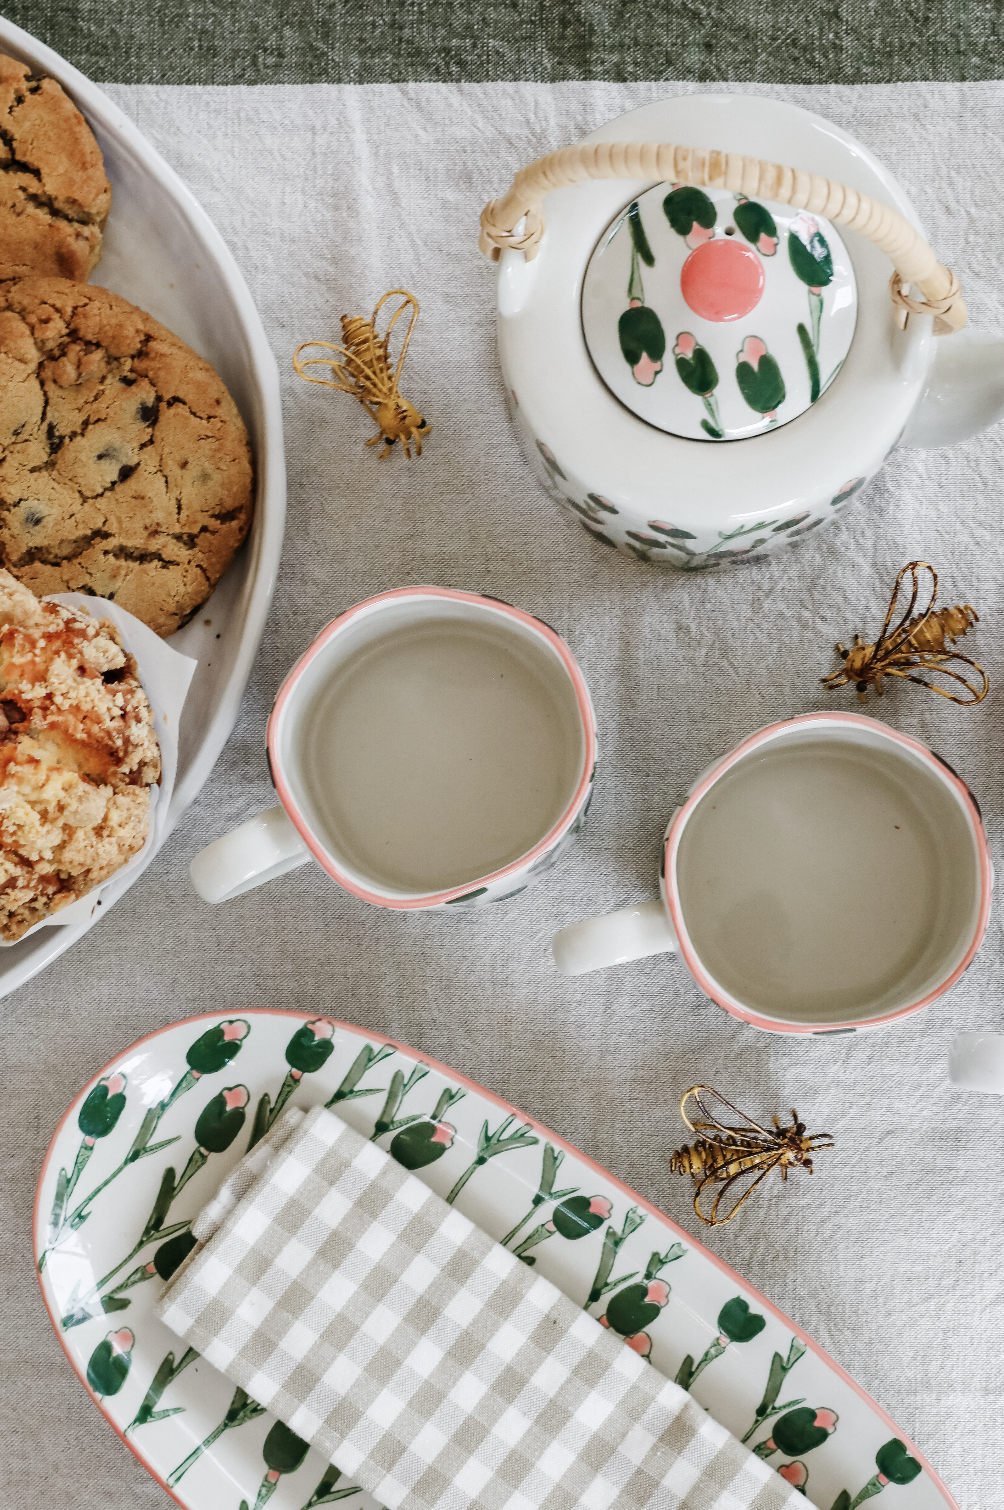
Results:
[149, 1140]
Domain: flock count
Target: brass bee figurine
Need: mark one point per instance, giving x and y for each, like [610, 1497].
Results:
[366, 374]
[919, 641]
[738, 1158]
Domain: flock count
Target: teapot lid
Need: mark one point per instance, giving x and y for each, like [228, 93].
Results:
[717, 317]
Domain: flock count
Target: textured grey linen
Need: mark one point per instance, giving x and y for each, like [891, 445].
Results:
[889, 1255]
[424, 1360]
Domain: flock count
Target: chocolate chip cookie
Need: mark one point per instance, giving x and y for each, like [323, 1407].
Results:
[54, 196]
[125, 469]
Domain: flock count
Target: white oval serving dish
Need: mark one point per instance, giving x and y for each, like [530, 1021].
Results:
[162, 252]
[118, 1209]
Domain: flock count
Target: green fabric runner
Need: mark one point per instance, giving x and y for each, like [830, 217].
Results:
[322, 41]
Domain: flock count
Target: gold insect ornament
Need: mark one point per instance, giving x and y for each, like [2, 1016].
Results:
[737, 1158]
[920, 641]
[365, 371]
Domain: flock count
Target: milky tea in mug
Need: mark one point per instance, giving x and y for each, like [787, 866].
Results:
[818, 877]
[829, 873]
[431, 748]
[439, 753]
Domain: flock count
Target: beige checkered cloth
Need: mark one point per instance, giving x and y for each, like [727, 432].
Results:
[426, 1361]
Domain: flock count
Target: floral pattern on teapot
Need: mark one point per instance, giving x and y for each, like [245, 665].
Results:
[664, 542]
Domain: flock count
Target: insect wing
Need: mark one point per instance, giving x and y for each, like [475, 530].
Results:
[708, 1101]
[733, 1192]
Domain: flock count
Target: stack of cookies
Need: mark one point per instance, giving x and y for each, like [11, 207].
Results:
[125, 473]
[125, 469]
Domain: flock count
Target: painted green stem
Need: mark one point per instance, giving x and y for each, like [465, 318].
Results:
[688, 1371]
[613, 1241]
[165, 1375]
[266, 1114]
[713, 424]
[326, 1493]
[873, 1486]
[545, 1191]
[780, 1368]
[242, 1409]
[364, 1061]
[166, 1196]
[141, 1148]
[388, 1120]
[490, 1145]
[811, 361]
[816, 317]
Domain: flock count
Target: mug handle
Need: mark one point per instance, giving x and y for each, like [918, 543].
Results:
[260, 850]
[632, 933]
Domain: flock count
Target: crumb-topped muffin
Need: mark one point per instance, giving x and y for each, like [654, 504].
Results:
[125, 468]
[78, 755]
[54, 195]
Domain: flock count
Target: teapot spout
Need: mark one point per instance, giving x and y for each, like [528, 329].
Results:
[964, 394]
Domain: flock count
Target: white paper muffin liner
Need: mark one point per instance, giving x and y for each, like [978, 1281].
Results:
[166, 676]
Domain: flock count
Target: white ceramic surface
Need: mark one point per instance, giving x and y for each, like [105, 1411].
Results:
[659, 496]
[504, 1171]
[163, 253]
[751, 312]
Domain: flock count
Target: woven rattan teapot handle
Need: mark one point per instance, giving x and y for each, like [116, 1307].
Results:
[912, 258]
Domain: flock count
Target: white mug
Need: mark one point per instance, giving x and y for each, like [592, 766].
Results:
[828, 874]
[431, 748]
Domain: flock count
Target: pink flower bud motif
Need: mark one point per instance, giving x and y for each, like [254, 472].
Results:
[151, 1268]
[445, 1134]
[698, 234]
[645, 371]
[795, 1474]
[116, 1084]
[634, 304]
[296, 1074]
[236, 1097]
[881, 1478]
[273, 1475]
[685, 344]
[600, 1206]
[604, 1321]
[771, 1444]
[752, 350]
[235, 1031]
[657, 1293]
[122, 1341]
[640, 1343]
[722, 1340]
[767, 245]
[550, 1227]
[322, 1027]
[89, 1142]
[826, 1420]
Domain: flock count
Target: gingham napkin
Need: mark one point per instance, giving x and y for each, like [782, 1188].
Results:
[426, 1361]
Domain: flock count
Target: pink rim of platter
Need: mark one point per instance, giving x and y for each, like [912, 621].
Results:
[586, 717]
[717, 993]
[210, 1449]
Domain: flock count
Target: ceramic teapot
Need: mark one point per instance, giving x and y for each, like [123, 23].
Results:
[704, 353]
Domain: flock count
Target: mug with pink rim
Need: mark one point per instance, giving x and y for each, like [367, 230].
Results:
[828, 874]
[431, 748]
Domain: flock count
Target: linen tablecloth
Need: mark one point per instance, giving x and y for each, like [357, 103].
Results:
[329, 196]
